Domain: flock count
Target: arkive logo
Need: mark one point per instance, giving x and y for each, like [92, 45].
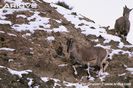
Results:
[18, 6]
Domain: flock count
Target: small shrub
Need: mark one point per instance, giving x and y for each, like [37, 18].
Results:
[74, 13]
[63, 4]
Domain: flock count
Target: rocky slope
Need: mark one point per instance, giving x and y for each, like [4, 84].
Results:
[33, 47]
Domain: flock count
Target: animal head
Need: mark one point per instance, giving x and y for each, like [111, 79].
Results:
[126, 10]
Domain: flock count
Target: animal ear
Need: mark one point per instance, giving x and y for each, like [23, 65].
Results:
[125, 6]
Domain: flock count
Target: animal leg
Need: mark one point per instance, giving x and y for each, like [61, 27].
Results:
[88, 70]
[103, 68]
[106, 65]
[75, 71]
[74, 67]
[101, 71]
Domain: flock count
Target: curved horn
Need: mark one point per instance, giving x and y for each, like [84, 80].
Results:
[69, 41]
[125, 6]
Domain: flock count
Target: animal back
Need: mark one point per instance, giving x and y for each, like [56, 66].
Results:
[122, 25]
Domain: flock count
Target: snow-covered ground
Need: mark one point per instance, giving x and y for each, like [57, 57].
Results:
[103, 12]
[67, 84]
[86, 29]
[6, 49]
[43, 22]
[130, 70]
[19, 73]
[32, 25]
[35, 21]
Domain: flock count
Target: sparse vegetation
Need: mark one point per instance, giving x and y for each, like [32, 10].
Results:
[63, 4]
[74, 13]
[38, 47]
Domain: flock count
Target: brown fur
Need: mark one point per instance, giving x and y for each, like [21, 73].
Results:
[95, 56]
[122, 24]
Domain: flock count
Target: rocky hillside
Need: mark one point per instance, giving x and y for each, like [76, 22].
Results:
[33, 50]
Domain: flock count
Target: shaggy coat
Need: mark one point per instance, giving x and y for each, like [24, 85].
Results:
[122, 24]
[91, 56]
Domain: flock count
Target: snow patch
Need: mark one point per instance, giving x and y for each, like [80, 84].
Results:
[91, 78]
[50, 38]
[103, 75]
[10, 34]
[63, 65]
[7, 49]
[60, 29]
[77, 85]
[23, 16]
[10, 60]
[67, 84]
[45, 79]
[37, 23]
[105, 47]
[2, 32]
[122, 74]
[26, 35]
[30, 82]
[5, 22]
[19, 73]
[130, 70]
[2, 66]
[118, 51]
